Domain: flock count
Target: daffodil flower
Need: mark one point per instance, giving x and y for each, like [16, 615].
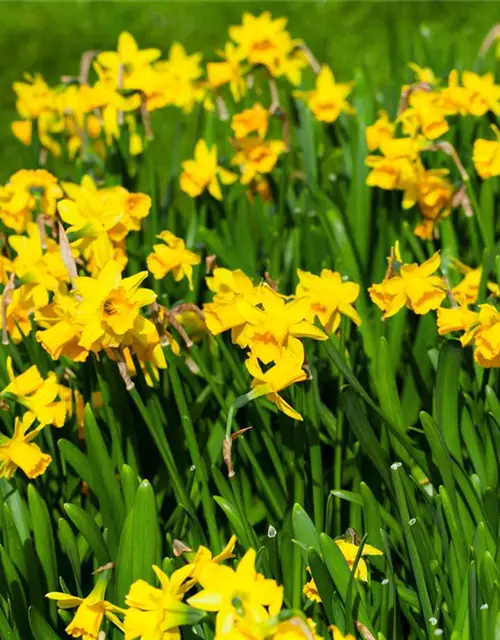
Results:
[20, 452]
[90, 611]
[203, 172]
[287, 371]
[328, 100]
[172, 256]
[413, 286]
[158, 612]
[237, 594]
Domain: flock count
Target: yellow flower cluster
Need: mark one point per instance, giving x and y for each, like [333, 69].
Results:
[116, 89]
[423, 117]
[269, 324]
[246, 603]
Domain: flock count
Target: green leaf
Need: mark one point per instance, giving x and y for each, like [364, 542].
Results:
[77, 459]
[40, 628]
[304, 529]
[69, 546]
[446, 396]
[90, 531]
[44, 537]
[104, 482]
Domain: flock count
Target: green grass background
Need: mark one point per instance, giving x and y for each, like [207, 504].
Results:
[381, 36]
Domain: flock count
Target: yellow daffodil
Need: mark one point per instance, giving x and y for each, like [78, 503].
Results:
[275, 327]
[412, 285]
[310, 590]
[109, 307]
[19, 307]
[433, 192]
[172, 256]
[350, 551]
[229, 287]
[256, 156]
[287, 371]
[6, 268]
[158, 612]
[203, 172]
[20, 452]
[228, 71]
[204, 557]
[382, 129]
[484, 94]
[253, 120]
[28, 193]
[396, 167]
[423, 74]
[454, 98]
[264, 41]
[122, 67]
[486, 156]
[456, 319]
[38, 395]
[486, 337]
[467, 291]
[91, 218]
[61, 330]
[338, 635]
[237, 594]
[426, 114]
[41, 267]
[90, 612]
[330, 297]
[328, 100]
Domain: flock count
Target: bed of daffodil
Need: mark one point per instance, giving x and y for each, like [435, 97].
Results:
[257, 397]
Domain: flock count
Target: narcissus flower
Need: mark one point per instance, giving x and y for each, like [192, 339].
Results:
[328, 100]
[204, 557]
[122, 67]
[425, 114]
[237, 594]
[19, 307]
[330, 297]
[109, 307]
[91, 611]
[38, 395]
[264, 41]
[20, 452]
[412, 285]
[275, 327]
[256, 156]
[172, 256]
[486, 156]
[253, 120]
[338, 635]
[456, 319]
[433, 192]
[467, 291]
[484, 94]
[229, 287]
[28, 193]
[203, 172]
[350, 551]
[396, 167]
[228, 71]
[287, 371]
[158, 612]
[382, 129]
[486, 337]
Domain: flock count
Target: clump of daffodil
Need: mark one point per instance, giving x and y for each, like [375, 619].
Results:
[330, 297]
[411, 285]
[27, 194]
[237, 594]
[328, 99]
[203, 173]
[40, 396]
[21, 452]
[172, 256]
[90, 611]
[159, 612]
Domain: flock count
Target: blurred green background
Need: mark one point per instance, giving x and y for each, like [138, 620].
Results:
[380, 36]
